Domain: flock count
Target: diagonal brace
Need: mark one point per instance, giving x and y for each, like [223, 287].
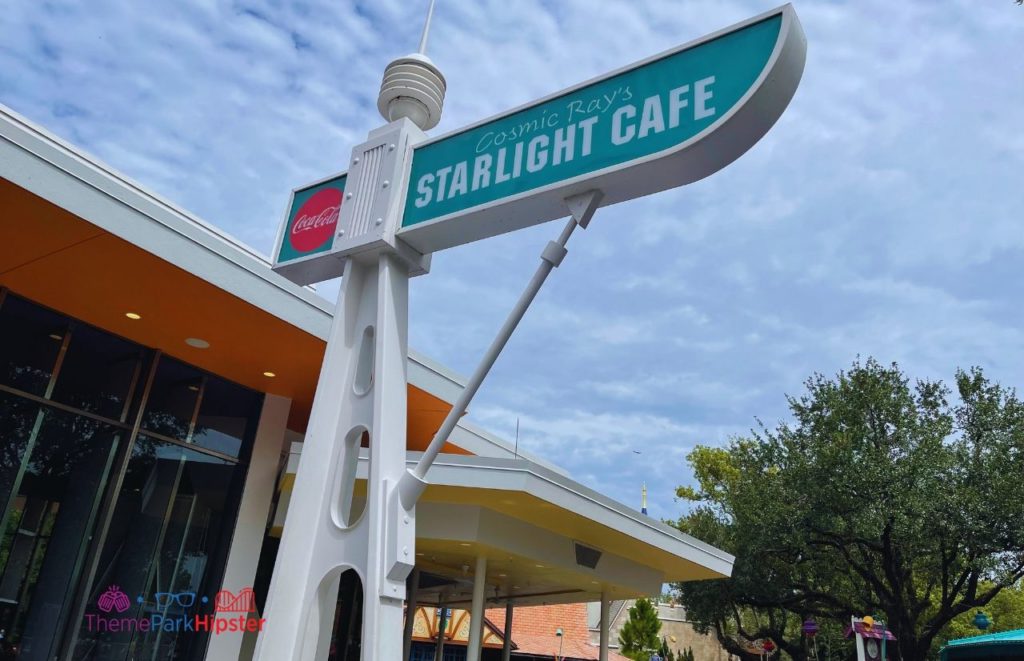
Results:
[582, 208]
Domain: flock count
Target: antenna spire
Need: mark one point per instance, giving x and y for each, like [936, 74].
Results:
[426, 29]
[413, 87]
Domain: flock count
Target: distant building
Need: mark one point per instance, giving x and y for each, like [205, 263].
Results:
[534, 634]
[677, 631]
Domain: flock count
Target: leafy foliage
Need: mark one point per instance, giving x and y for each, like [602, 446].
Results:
[639, 635]
[1005, 611]
[880, 497]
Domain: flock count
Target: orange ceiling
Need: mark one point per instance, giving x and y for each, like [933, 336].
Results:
[64, 262]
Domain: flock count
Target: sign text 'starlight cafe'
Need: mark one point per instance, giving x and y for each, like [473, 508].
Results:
[613, 121]
[541, 143]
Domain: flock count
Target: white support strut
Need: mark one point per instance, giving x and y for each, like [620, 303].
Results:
[581, 208]
[360, 400]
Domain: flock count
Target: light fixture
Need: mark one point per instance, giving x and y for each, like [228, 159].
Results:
[502, 575]
[269, 374]
[56, 336]
[193, 387]
[134, 316]
[197, 343]
[539, 566]
[464, 544]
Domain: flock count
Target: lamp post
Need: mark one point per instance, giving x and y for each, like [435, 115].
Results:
[810, 629]
[558, 634]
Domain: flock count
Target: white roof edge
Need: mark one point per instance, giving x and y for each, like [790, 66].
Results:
[602, 509]
[434, 378]
[38, 159]
[483, 443]
[70, 161]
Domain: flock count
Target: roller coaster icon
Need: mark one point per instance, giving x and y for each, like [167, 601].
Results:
[228, 602]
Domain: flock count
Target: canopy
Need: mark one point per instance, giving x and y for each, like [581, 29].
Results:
[873, 632]
[1002, 645]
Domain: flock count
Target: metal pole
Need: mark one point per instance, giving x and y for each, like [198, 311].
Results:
[442, 625]
[605, 624]
[476, 614]
[582, 208]
[506, 646]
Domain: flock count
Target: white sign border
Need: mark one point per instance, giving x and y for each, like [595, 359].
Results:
[783, 71]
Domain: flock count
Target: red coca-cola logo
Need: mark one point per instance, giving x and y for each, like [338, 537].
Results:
[315, 220]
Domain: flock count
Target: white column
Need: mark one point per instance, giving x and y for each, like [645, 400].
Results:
[476, 615]
[605, 608]
[442, 625]
[253, 512]
[411, 604]
[362, 387]
[506, 648]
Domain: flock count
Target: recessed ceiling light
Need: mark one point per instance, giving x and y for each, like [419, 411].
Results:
[197, 343]
[194, 388]
[56, 336]
[133, 315]
[269, 374]
[539, 566]
[502, 575]
[464, 544]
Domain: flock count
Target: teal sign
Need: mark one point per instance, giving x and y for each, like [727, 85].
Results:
[658, 124]
[312, 220]
[621, 119]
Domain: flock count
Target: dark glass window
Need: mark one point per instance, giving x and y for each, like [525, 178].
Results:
[30, 340]
[227, 416]
[170, 533]
[66, 537]
[173, 398]
[97, 373]
[55, 475]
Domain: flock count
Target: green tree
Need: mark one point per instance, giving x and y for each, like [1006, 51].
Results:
[639, 635]
[1005, 613]
[881, 497]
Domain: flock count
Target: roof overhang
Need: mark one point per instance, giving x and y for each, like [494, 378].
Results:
[526, 519]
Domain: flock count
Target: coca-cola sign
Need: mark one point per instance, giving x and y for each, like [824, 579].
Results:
[314, 223]
[311, 221]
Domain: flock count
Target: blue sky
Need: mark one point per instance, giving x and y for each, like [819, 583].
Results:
[882, 216]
